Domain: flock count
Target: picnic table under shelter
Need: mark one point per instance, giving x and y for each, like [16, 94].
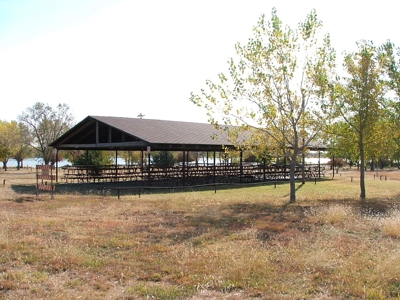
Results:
[149, 135]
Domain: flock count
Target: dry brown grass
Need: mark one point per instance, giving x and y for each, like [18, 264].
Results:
[246, 243]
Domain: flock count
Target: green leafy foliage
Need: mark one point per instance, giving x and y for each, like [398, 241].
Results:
[15, 141]
[131, 157]
[94, 158]
[276, 89]
[389, 56]
[23, 148]
[163, 158]
[359, 101]
[45, 125]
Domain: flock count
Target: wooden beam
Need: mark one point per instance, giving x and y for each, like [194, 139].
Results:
[97, 132]
[110, 146]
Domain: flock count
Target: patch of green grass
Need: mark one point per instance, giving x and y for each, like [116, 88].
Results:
[164, 292]
[93, 263]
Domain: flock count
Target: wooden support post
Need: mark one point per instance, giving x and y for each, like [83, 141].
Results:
[87, 161]
[284, 167]
[264, 169]
[214, 179]
[319, 163]
[116, 165]
[241, 165]
[56, 165]
[148, 163]
[97, 132]
[183, 168]
[51, 182]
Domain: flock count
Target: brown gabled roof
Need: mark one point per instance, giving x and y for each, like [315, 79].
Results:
[166, 132]
[99, 132]
[118, 133]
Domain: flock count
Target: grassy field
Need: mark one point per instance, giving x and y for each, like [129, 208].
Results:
[239, 243]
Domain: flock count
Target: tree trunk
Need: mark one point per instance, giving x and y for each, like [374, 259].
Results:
[292, 180]
[362, 172]
[381, 163]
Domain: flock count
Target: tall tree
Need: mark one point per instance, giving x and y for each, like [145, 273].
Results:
[390, 56]
[275, 89]
[46, 124]
[23, 149]
[9, 134]
[342, 142]
[359, 99]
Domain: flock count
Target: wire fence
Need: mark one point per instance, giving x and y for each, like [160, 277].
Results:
[139, 190]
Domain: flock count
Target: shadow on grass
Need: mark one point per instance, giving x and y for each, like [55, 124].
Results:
[23, 188]
[264, 219]
[211, 223]
[309, 181]
[134, 188]
[226, 220]
[70, 188]
[371, 206]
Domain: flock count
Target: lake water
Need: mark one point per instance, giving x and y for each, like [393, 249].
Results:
[314, 160]
[32, 162]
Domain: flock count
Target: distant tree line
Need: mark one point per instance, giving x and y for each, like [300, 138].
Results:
[31, 135]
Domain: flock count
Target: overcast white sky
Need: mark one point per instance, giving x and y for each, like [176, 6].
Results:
[123, 58]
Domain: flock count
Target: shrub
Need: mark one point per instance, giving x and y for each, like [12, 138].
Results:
[94, 158]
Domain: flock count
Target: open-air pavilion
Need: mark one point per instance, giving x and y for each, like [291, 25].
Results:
[147, 136]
